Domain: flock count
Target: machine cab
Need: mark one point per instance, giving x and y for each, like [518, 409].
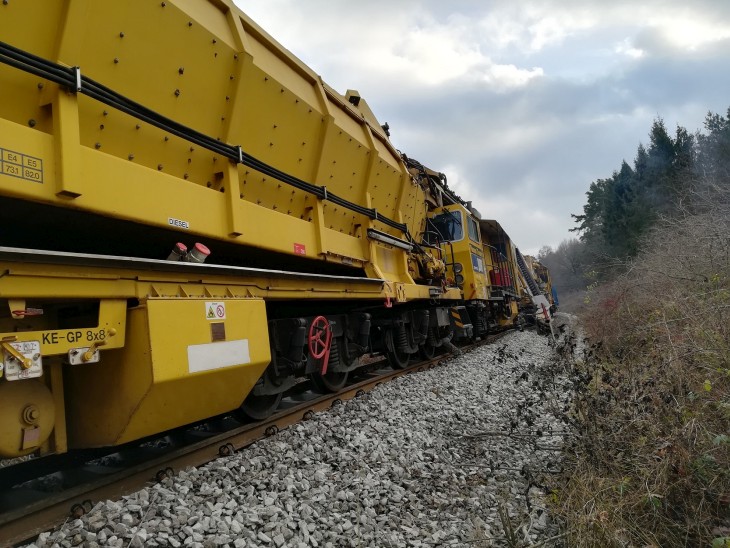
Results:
[455, 230]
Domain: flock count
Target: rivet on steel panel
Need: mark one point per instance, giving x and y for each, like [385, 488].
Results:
[31, 122]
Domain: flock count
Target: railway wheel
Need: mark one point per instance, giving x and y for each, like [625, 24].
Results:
[427, 350]
[332, 381]
[258, 408]
[398, 359]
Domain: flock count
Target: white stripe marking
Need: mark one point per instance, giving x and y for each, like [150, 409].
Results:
[206, 357]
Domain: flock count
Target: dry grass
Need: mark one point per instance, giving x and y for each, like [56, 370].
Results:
[651, 465]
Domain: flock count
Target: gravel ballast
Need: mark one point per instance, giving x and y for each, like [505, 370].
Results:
[453, 456]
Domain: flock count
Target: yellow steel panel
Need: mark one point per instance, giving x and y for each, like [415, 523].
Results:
[205, 211]
[55, 375]
[45, 282]
[211, 15]
[277, 125]
[384, 188]
[120, 135]
[343, 244]
[32, 26]
[108, 332]
[49, 286]
[177, 324]
[154, 388]
[67, 134]
[117, 51]
[280, 65]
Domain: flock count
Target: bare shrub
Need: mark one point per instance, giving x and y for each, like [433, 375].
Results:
[651, 463]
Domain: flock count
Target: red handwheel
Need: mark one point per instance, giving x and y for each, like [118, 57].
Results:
[320, 340]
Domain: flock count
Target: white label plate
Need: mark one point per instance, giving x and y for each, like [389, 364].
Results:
[14, 370]
[75, 356]
[209, 356]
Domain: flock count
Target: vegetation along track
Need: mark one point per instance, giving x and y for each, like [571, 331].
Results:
[40, 494]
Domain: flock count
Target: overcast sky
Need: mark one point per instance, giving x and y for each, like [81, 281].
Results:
[522, 104]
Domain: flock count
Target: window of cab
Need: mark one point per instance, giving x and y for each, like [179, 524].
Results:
[448, 225]
[473, 229]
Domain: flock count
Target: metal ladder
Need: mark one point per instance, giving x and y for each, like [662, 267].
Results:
[527, 274]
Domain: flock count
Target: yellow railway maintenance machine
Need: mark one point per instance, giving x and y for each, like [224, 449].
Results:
[127, 127]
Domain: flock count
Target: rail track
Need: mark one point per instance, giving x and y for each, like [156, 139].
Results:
[40, 494]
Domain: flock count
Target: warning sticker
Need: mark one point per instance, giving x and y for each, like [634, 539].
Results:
[300, 249]
[215, 310]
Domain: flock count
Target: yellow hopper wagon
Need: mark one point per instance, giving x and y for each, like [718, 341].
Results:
[193, 222]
